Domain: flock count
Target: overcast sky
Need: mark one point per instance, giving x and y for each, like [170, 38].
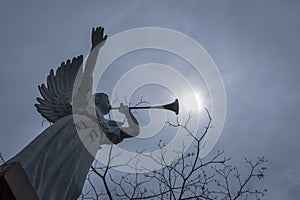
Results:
[255, 45]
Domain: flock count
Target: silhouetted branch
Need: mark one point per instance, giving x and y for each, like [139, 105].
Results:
[187, 177]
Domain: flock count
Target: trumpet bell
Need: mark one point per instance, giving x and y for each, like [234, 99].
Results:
[172, 106]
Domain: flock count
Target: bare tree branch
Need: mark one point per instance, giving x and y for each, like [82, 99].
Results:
[188, 177]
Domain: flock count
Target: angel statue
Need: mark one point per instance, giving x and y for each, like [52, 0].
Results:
[57, 161]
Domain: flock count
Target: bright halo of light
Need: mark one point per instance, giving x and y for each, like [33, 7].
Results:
[191, 102]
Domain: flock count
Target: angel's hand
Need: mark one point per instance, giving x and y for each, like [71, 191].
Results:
[123, 109]
[97, 36]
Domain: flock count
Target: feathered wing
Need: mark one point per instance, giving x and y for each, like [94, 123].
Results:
[57, 94]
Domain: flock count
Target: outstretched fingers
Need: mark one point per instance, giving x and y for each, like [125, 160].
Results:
[97, 36]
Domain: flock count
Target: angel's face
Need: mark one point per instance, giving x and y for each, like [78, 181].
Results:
[102, 103]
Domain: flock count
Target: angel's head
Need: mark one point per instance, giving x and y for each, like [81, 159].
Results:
[102, 103]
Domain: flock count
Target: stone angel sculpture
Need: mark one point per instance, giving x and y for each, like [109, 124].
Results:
[58, 160]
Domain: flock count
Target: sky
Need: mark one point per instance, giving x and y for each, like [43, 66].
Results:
[255, 45]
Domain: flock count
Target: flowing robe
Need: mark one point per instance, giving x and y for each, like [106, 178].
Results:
[57, 161]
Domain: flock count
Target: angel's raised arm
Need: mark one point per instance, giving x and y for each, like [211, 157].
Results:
[71, 81]
[86, 78]
[98, 39]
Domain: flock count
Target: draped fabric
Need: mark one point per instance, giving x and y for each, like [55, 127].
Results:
[57, 162]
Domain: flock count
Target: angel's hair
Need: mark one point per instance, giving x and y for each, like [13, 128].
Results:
[100, 95]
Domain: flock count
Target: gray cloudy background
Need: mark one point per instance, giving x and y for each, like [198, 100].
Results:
[255, 44]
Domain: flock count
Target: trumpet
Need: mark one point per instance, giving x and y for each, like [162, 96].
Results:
[174, 106]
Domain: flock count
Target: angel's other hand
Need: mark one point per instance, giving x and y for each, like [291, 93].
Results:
[98, 36]
[123, 109]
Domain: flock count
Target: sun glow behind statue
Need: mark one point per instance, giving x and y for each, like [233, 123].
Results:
[191, 102]
[178, 80]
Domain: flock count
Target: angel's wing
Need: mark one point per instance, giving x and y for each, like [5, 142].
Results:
[57, 95]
